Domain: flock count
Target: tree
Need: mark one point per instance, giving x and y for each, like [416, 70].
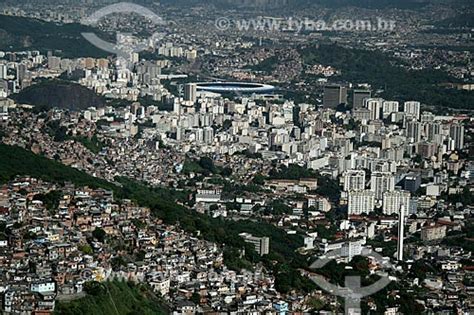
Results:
[259, 179]
[99, 234]
[117, 262]
[226, 172]
[86, 249]
[207, 164]
[196, 298]
[94, 288]
[418, 159]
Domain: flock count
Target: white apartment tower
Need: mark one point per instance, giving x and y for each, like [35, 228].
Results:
[393, 201]
[361, 202]
[412, 109]
[375, 105]
[382, 182]
[390, 107]
[354, 180]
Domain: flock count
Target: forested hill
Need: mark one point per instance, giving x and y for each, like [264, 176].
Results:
[20, 33]
[59, 94]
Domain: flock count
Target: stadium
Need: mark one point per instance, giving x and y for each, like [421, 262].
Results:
[234, 87]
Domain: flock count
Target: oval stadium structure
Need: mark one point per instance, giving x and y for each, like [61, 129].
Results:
[226, 87]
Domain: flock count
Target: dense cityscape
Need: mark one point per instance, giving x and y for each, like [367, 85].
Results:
[232, 157]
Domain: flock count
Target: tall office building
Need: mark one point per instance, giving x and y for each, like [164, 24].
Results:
[412, 182]
[401, 233]
[375, 105]
[414, 129]
[358, 97]
[21, 73]
[360, 202]
[456, 132]
[190, 93]
[412, 109]
[334, 95]
[3, 71]
[434, 131]
[382, 182]
[208, 135]
[393, 201]
[354, 180]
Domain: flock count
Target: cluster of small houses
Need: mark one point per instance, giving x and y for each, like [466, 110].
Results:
[48, 254]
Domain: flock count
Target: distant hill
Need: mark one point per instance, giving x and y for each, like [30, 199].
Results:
[292, 4]
[59, 94]
[382, 72]
[465, 20]
[19, 33]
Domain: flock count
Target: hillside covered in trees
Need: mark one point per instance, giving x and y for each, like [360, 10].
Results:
[59, 94]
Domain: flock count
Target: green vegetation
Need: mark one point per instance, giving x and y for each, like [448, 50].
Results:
[50, 200]
[99, 234]
[62, 94]
[267, 65]
[279, 207]
[466, 197]
[15, 161]
[113, 298]
[465, 20]
[338, 272]
[86, 249]
[206, 167]
[465, 240]
[20, 33]
[59, 134]
[383, 72]
[327, 187]
[292, 171]
[93, 144]
[406, 300]
[162, 201]
[192, 166]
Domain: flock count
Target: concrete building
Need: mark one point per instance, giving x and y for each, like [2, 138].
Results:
[389, 107]
[261, 244]
[412, 182]
[358, 97]
[190, 93]
[354, 180]
[3, 71]
[375, 105]
[393, 201]
[334, 95]
[414, 131]
[412, 110]
[209, 196]
[434, 232]
[382, 182]
[361, 202]
[456, 132]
